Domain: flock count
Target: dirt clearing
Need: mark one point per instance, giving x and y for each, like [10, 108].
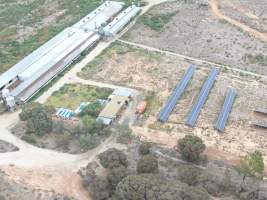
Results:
[195, 31]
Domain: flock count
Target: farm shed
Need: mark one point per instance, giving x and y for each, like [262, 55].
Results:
[42, 65]
[121, 20]
[112, 109]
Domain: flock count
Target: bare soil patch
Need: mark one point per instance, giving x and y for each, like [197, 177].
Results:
[7, 147]
[195, 31]
[17, 189]
[159, 74]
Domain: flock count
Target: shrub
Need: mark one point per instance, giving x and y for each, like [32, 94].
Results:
[147, 164]
[191, 148]
[112, 158]
[116, 175]
[252, 165]
[38, 118]
[144, 148]
[151, 187]
[88, 141]
[188, 174]
[123, 132]
[100, 188]
[92, 109]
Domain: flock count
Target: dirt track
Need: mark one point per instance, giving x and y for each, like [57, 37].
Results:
[214, 5]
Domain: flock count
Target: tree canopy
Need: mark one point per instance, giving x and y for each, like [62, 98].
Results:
[191, 148]
[252, 165]
[38, 118]
[153, 187]
[147, 164]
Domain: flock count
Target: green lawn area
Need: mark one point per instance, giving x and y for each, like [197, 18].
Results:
[71, 95]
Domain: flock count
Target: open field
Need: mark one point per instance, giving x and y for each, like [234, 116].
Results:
[194, 30]
[71, 95]
[160, 73]
[25, 25]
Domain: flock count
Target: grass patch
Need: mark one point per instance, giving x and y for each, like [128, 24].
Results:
[257, 59]
[156, 22]
[71, 95]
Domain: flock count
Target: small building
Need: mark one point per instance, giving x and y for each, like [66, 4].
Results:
[117, 101]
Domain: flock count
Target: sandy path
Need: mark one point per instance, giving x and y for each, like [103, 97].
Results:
[214, 5]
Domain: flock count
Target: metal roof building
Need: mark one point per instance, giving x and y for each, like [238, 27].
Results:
[38, 68]
[121, 20]
[112, 109]
[99, 16]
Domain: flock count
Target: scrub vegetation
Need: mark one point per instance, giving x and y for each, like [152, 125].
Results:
[156, 21]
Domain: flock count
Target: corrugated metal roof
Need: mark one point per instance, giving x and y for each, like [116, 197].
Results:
[260, 124]
[261, 110]
[122, 92]
[113, 107]
[177, 93]
[102, 15]
[99, 16]
[46, 63]
[121, 20]
[203, 95]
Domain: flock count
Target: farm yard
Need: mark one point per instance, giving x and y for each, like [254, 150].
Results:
[192, 29]
[159, 73]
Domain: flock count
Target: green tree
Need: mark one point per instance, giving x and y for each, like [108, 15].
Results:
[144, 148]
[38, 118]
[153, 187]
[116, 175]
[92, 109]
[191, 148]
[252, 165]
[123, 133]
[112, 158]
[147, 164]
[89, 125]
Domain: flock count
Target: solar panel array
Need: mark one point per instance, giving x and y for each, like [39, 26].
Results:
[177, 93]
[192, 117]
[226, 109]
[202, 97]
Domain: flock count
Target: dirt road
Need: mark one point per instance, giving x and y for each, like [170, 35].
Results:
[214, 5]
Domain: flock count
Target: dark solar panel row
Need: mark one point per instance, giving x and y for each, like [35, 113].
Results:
[192, 117]
[226, 109]
[177, 93]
